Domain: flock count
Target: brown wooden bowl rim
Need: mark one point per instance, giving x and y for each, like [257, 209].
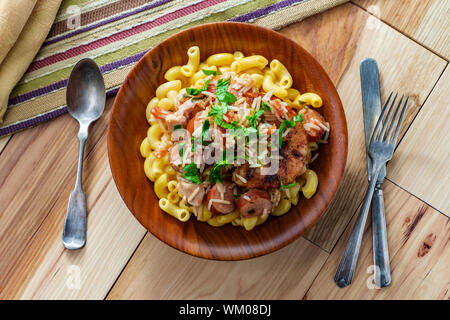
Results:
[339, 170]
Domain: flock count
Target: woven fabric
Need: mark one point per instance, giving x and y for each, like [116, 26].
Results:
[116, 34]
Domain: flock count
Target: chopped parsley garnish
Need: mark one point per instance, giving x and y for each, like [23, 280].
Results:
[177, 126]
[215, 174]
[210, 72]
[181, 149]
[289, 124]
[222, 94]
[217, 113]
[286, 186]
[252, 120]
[196, 92]
[298, 118]
[205, 133]
[283, 126]
[266, 106]
[192, 144]
[190, 172]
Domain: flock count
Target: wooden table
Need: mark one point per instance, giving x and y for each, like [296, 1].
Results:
[411, 42]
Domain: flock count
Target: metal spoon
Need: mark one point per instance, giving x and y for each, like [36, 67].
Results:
[85, 101]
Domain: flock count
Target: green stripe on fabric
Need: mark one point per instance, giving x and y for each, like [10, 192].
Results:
[67, 3]
[140, 46]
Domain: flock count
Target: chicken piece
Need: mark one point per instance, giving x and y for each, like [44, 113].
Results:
[179, 117]
[314, 124]
[175, 158]
[193, 193]
[254, 203]
[295, 155]
[221, 198]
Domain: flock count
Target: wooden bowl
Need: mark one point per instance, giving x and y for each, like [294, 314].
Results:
[128, 127]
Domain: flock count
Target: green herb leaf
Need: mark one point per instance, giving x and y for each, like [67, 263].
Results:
[266, 106]
[190, 172]
[252, 120]
[222, 94]
[286, 186]
[210, 72]
[205, 133]
[192, 144]
[196, 92]
[217, 113]
[178, 126]
[181, 149]
[215, 174]
[283, 126]
[193, 91]
[298, 118]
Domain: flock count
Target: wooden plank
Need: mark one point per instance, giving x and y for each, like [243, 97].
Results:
[420, 162]
[400, 60]
[38, 171]
[157, 271]
[427, 22]
[419, 250]
[33, 260]
[3, 142]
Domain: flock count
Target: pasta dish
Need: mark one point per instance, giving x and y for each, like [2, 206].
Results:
[230, 140]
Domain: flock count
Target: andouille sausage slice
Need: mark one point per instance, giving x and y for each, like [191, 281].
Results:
[254, 203]
[222, 198]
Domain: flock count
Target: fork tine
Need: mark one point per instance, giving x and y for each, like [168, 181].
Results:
[397, 130]
[380, 119]
[394, 119]
[386, 120]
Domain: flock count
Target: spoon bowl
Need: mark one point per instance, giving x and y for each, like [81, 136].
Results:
[86, 91]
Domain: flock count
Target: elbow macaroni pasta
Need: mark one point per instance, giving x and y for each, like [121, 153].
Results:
[194, 60]
[242, 64]
[281, 73]
[273, 76]
[269, 84]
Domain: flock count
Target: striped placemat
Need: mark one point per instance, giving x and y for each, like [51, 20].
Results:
[116, 34]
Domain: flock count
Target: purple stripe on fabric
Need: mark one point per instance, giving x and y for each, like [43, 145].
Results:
[44, 117]
[63, 83]
[114, 65]
[106, 21]
[264, 11]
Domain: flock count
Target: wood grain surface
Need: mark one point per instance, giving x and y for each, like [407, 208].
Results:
[38, 168]
[128, 127]
[295, 267]
[398, 58]
[427, 22]
[418, 163]
[418, 246]
[35, 265]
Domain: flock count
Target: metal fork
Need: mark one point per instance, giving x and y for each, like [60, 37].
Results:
[381, 149]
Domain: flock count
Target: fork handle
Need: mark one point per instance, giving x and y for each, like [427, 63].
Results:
[380, 245]
[347, 265]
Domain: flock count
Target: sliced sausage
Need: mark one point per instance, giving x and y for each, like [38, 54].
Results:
[194, 193]
[223, 193]
[254, 203]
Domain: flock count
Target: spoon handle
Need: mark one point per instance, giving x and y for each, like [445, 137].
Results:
[74, 233]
